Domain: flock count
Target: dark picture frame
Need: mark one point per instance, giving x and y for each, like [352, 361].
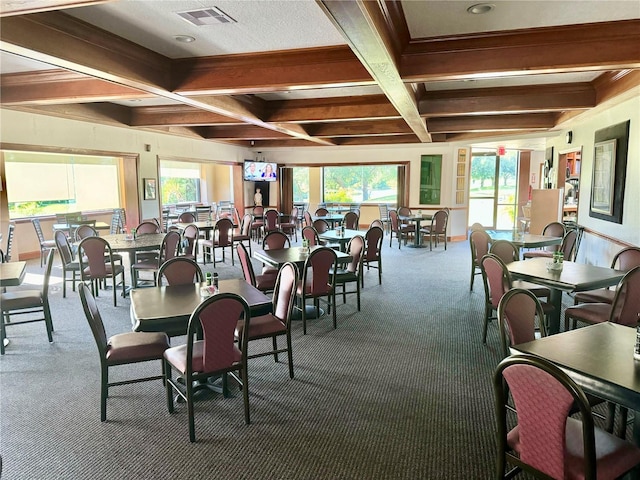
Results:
[150, 190]
[611, 145]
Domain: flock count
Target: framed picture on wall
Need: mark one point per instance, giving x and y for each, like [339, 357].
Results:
[604, 163]
[149, 188]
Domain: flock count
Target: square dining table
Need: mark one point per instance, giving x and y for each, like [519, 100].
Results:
[574, 277]
[279, 256]
[168, 308]
[416, 218]
[525, 240]
[600, 359]
[342, 237]
[332, 219]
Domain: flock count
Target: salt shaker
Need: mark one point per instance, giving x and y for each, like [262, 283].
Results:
[215, 280]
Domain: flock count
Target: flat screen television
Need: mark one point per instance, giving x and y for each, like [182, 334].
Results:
[255, 171]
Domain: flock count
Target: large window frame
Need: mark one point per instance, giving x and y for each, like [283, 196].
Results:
[361, 183]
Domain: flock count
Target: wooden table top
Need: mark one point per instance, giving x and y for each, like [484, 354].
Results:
[278, 257]
[526, 240]
[12, 273]
[148, 241]
[599, 357]
[334, 236]
[574, 277]
[168, 308]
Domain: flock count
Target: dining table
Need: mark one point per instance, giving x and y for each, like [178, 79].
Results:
[574, 277]
[525, 240]
[600, 359]
[279, 256]
[168, 308]
[12, 273]
[340, 237]
[332, 219]
[416, 218]
[120, 242]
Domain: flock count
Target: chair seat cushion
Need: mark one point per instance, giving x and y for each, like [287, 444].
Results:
[136, 347]
[614, 456]
[262, 326]
[603, 295]
[146, 265]
[267, 270]
[118, 269]
[266, 281]
[20, 299]
[177, 356]
[589, 312]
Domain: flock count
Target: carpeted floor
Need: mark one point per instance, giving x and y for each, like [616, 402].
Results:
[400, 390]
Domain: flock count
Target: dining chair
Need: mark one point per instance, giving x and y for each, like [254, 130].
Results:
[27, 302]
[84, 231]
[321, 225]
[180, 271]
[278, 322]
[311, 235]
[271, 221]
[189, 243]
[203, 213]
[144, 228]
[547, 442]
[553, 229]
[273, 241]
[479, 240]
[404, 212]
[217, 353]
[308, 220]
[92, 252]
[497, 281]
[372, 256]
[266, 282]
[45, 245]
[168, 250]
[400, 232]
[625, 308]
[10, 235]
[437, 229]
[290, 227]
[258, 222]
[625, 259]
[187, 217]
[352, 272]
[321, 212]
[318, 280]
[222, 238]
[383, 210]
[567, 247]
[351, 220]
[68, 261]
[243, 235]
[120, 349]
[518, 310]
[377, 223]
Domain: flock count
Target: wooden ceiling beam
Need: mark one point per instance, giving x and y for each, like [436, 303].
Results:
[178, 115]
[559, 49]
[488, 123]
[270, 72]
[240, 132]
[46, 87]
[66, 42]
[508, 100]
[365, 107]
[359, 128]
[370, 31]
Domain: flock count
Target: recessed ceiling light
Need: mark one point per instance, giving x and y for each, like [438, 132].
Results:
[480, 8]
[184, 38]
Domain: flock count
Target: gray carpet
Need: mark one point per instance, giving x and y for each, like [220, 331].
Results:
[401, 390]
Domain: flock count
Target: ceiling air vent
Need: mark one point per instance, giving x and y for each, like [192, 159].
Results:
[206, 16]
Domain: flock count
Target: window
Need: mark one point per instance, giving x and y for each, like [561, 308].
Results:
[361, 184]
[179, 182]
[301, 185]
[50, 183]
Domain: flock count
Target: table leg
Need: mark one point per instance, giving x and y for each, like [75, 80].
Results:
[554, 318]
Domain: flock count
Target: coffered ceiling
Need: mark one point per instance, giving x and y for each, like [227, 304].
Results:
[274, 73]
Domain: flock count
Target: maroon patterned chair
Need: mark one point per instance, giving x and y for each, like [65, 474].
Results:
[479, 240]
[290, 227]
[168, 250]
[547, 442]
[217, 353]
[180, 271]
[352, 272]
[318, 280]
[222, 238]
[274, 241]
[265, 282]
[553, 229]
[309, 233]
[271, 221]
[623, 310]
[625, 259]
[277, 323]
[92, 253]
[373, 250]
[121, 349]
[189, 247]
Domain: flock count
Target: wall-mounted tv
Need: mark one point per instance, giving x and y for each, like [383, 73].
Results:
[255, 171]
